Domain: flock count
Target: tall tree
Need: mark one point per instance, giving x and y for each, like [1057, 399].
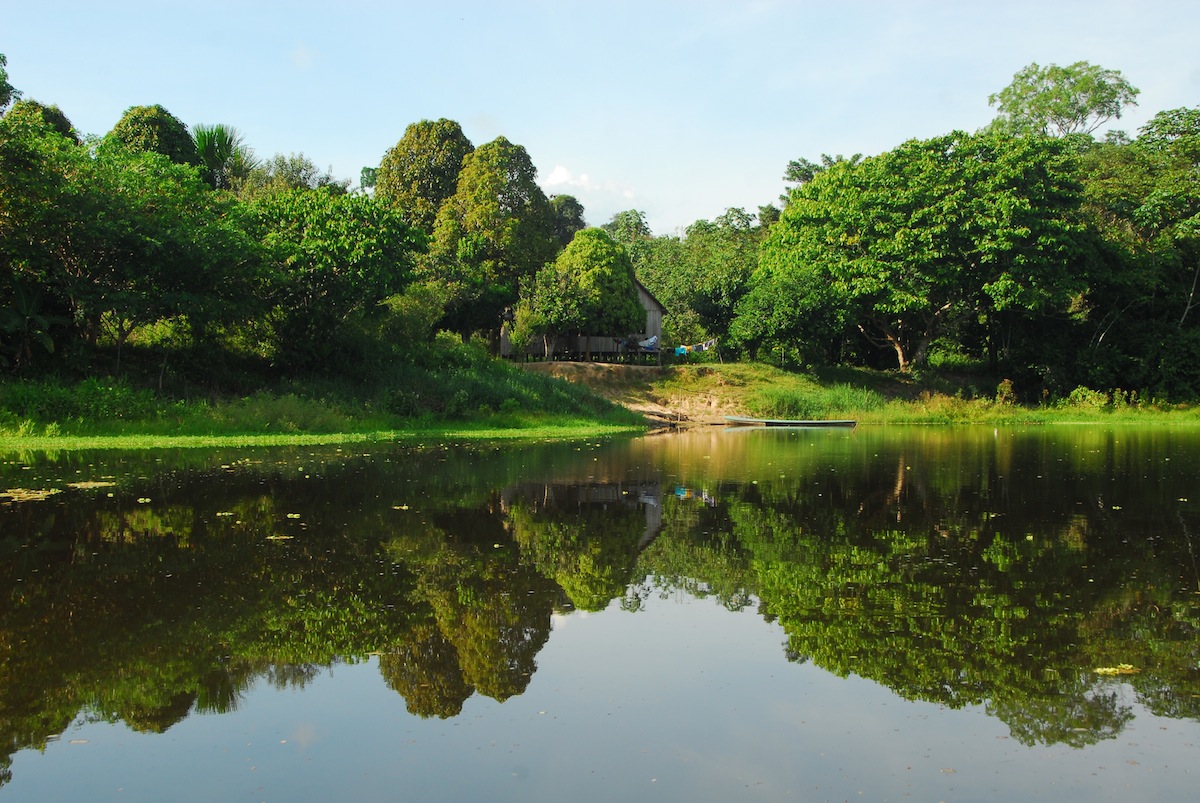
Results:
[223, 154]
[153, 128]
[295, 171]
[7, 93]
[420, 172]
[496, 230]
[902, 242]
[628, 227]
[116, 238]
[1055, 100]
[568, 218]
[589, 289]
[330, 259]
[52, 115]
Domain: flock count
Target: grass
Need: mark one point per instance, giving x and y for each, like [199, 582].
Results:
[479, 399]
[465, 396]
[878, 397]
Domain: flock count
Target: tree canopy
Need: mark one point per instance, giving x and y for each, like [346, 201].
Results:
[590, 289]
[420, 172]
[496, 230]
[223, 154]
[153, 128]
[7, 93]
[898, 243]
[1078, 98]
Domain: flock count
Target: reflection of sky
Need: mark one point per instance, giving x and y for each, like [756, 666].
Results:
[682, 701]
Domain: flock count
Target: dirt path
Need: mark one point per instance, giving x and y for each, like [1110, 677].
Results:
[640, 388]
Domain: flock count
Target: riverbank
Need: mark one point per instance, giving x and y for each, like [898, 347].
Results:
[536, 401]
[697, 395]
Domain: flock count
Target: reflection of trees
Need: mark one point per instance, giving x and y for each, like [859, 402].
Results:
[1076, 713]
[426, 672]
[586, 538]
[918, 562]
[939, 580]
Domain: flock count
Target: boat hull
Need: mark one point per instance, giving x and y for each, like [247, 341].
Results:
[784, 422]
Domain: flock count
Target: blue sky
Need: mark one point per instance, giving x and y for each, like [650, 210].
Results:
[679, 109]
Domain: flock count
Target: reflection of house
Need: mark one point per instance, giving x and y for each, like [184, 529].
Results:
[616, 343]
[646, 496]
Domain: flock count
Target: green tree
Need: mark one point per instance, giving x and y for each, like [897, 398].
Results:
[568, 218]
[52, 115]
[900, 243]
[223, 154]
[116, 238]
[330, 260]
[495, 231]
[1137, 317]
[801, 171]
[628, 227]
[420, 172]
[292, 172]
[589, 289]
[153, 128]
[1056, 100]
[7, 93]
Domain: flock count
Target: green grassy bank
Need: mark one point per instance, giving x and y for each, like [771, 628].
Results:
[471, 397]
[484, 399]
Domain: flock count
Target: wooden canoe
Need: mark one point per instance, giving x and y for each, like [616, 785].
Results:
[785, 422]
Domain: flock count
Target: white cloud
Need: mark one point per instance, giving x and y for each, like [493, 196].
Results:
[302, 57]
[561, 176]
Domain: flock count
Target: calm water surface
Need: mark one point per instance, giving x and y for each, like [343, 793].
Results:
[879, 614]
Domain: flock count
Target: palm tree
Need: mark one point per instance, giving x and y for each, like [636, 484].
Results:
[224, 156]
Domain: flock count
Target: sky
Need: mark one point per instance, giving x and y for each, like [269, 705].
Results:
[678, 109]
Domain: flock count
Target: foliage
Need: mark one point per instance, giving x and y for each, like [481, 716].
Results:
[628, 227]
[292, 172]
[153, 128]
[7, 93]
[1055, 100]
[26, 325]
[34, 112]
[898, 244]
[115, 237]
[568, 218]
[223, 154]
[495, 231]
[328, 259]
[420, 172]
[589, 289]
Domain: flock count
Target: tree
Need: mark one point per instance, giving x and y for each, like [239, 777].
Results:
[7, 93]
[115, 238]
[330, 260]
[420, 172]
[51, 115]
[568, 218]
[292, 172]
[495, 231]
[223, 154]
[153, 128]
[589, 289]
[801, 171]
[900, 243]
[628, 227]
[1057, 101]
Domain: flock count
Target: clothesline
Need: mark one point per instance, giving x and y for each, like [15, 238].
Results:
[705, 346]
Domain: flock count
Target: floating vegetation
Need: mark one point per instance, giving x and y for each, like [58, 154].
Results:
[27, 495]
[1119, 669]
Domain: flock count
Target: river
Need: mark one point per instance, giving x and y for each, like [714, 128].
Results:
[884, 613]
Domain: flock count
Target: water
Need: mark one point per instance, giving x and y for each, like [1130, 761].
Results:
[879, 614]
